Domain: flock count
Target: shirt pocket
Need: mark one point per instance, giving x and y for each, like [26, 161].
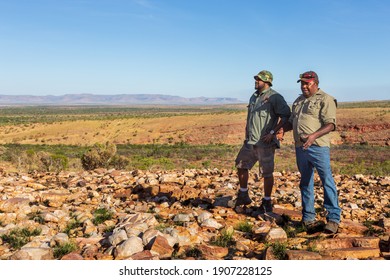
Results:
[264, 110]
[296, 109]
[313, 108]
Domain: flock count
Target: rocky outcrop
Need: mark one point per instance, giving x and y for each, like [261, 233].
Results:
[183, 215]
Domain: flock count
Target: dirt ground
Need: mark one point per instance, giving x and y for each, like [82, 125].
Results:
[354, 126]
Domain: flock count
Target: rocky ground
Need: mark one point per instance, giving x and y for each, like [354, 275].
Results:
[111, 214]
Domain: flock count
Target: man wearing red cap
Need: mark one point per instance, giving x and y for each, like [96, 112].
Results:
[313, 116]
[266, 108]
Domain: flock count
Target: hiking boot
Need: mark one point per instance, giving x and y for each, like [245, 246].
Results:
[313, 226]
[331, 227]
[243, 198]
[265, 206]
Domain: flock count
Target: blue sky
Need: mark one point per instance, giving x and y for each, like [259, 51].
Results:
[193, 48]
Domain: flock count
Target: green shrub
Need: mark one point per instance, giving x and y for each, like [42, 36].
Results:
[194, 252]
[119, 162]
[59, 162]
[206, 163]
[371, 230]
[45, 160]
[312, 248]
[224, 239]
[17, 238]
[293, 230]
[72, 224]
[161, 227]
[148, 163]
[279, 250]
[39, 160]
[101, 215]
[98, 156]
[66, 248]
[36, 217]
[346, 159]
[50, 162]
[244, 226]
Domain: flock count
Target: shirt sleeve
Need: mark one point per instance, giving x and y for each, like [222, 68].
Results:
[281, 108]
[328, 111]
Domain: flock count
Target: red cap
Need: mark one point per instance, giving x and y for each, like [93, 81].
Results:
[308, 77]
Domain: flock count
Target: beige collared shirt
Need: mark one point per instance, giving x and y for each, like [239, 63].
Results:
[310, 114]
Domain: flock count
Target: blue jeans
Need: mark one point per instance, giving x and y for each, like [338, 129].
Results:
[318, 158]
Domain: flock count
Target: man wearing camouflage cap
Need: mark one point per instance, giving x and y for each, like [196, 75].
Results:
[266, 108]
[313, 116]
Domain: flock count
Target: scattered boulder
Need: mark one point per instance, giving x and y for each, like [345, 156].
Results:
[179, 214]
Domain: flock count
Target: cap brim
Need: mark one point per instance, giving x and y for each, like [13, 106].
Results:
[306, 80]
[258, 78]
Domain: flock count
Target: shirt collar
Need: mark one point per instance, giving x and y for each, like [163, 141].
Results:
[257, 93]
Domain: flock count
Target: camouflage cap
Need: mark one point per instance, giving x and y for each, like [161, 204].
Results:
[308, 77]
[265, 76]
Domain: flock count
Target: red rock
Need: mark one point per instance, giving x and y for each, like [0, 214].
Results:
[352, 253]
[210, 252]
[144, 255]
[72, 257]
[161, 247]
[302, 255]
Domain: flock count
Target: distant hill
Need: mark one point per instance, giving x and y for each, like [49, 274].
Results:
[120, 99]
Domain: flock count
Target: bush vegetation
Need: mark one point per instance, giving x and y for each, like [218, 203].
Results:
[279, 250]
[36, 217]
[194, 252]
[366, 104]
[98, 156]
[66, 248]
[244, 226]
[224, 239]
[72, 225]
[373, 228]
[19, 237]
[345, 159]
[101, 215]
[50, 114]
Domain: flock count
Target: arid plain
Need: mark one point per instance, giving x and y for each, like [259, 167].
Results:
[193, 125]
[362, 134]
[180, 212]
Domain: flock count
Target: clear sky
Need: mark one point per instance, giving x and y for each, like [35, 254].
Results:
[193, 48]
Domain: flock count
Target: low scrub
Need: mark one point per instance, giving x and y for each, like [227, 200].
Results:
[64, 249]
[19, 237]
[224, 239]
[373, 228]
[244, 226]
[101, 215]
[72, 225]
[194, 252]
[279, 250]
[345, 159]
[99, 156]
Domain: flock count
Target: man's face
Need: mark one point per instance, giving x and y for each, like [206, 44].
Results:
[309, 88]
[259, 84]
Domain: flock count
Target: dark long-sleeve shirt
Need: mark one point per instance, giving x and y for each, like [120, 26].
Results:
[264, 111]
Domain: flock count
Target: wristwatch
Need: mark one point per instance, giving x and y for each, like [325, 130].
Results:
[272, 132]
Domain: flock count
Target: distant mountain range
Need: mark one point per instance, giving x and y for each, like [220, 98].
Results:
[120, 99]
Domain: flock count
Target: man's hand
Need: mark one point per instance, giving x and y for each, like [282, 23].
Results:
[280, 134]
[308, 140]
[268, 138]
